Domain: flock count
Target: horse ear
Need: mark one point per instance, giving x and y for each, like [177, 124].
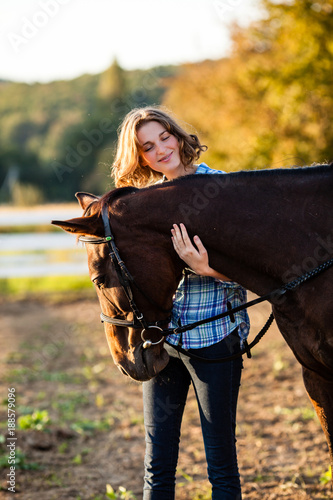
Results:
[85, 199]
[79, 226]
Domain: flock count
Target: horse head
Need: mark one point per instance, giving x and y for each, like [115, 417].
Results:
[152, 295]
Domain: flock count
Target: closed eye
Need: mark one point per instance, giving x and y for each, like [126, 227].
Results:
[150, 147]
[99, 281]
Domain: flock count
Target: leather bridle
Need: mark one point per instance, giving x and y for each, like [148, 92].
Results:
[126, 281]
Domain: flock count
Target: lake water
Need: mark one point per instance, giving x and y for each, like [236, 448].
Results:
[40, 254]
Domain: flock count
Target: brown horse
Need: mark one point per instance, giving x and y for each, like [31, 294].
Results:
[262, 229]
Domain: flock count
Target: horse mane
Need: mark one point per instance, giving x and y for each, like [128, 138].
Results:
[315, 168]
[115, 194]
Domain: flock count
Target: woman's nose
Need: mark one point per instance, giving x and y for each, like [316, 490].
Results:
[161, 148]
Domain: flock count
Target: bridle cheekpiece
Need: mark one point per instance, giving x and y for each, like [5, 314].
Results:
[125, 280]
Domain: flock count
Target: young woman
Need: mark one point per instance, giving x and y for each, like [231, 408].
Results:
[152, 148]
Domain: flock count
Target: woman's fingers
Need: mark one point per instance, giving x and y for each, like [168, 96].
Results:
[195, 255]
[181, 240]
[202, 250]
[184, 235]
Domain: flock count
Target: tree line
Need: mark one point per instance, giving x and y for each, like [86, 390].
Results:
[59, 138]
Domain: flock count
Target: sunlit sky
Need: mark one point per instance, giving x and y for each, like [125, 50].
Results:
[45, 40]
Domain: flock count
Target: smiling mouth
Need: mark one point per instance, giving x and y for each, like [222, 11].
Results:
[165, 158]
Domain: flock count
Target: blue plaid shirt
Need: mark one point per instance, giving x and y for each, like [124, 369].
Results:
[199, 297]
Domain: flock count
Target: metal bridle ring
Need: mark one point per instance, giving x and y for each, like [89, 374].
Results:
[148, 343]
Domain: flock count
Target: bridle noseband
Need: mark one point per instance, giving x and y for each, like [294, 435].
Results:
[125, 280]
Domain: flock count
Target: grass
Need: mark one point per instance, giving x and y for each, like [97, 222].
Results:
[31, 228]
[21, 462]
[326, 477]
[40, 285]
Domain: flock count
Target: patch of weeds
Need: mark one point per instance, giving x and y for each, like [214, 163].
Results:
[63, 377]
[67, 404]
[54, 480]
[21, 375]
[326, 477]
[87, 426]
[120, 494]
[259, 478]
[63, 447]
[185, 476]
[20, 461]
[302, 413]
[137, 419]
[15, 357]
[203, 495]
[92, 372]
[308, 413]
[99, 400]
[38, 420]
[24, 410]
[296, 480]
[78, 459]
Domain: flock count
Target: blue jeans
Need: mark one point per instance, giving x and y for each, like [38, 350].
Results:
[216, 387]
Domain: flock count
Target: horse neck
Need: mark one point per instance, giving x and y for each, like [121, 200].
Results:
[254, 226]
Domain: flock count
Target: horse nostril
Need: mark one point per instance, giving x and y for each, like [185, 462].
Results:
[121, 369]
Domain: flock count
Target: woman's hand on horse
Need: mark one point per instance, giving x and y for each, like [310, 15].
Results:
[195, 255]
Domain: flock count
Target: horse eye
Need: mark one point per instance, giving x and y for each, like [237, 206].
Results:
[99, 281]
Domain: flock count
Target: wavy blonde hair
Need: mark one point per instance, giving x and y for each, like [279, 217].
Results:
[128, 168]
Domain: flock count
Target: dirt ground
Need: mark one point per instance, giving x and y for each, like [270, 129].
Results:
[54, 354]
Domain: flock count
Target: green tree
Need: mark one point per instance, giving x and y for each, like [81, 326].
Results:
[291, 75]
[58, 138]
[112, 84]
[271, 102]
